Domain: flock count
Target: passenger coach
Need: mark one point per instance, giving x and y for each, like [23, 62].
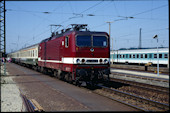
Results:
[141, 56]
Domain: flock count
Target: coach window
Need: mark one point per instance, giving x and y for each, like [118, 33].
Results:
[165, 55]
[130, 56]
[137, 56]
[150, 55]
[141, 55]
[126, 55]
[160, 55]
[123, 56]
[115, 56]
[36, 52]
[33, 53]
[155, 55]
[146, 55]
[66, 42]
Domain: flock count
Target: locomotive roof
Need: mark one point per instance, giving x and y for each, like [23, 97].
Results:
[75, 28]
[77, 32]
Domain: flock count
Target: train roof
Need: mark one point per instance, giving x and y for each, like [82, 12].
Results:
[142, 50]
[25, 48]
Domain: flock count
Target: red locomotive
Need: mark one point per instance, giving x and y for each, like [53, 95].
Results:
[75, 55]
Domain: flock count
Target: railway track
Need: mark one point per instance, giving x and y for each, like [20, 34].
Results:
[31, 105]
[132, 100]
[143, 88]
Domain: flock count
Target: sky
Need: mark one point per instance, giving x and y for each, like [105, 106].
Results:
[29, 22]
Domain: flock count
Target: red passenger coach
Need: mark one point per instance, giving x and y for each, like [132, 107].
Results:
[76, 55]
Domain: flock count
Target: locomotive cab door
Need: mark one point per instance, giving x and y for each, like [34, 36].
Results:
[61, 53]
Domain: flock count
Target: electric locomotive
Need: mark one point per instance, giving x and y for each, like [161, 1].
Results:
[76, 55]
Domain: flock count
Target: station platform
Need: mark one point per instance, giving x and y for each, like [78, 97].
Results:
[140, 76]
[147, 74]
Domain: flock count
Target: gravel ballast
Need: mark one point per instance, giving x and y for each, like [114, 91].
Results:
[11, 101]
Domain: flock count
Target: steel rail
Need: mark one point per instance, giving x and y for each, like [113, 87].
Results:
[31, 105]
[27, 103]
[137, 98]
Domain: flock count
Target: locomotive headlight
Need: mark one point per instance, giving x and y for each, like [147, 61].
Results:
[100, 60]
[78, 61]
[83, 60]
[105, 61]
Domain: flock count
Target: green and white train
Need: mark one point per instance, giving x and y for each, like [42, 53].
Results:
[27, 56]
[140, 56]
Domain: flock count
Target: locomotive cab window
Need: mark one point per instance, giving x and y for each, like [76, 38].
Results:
[99, 41]
[83, 40]
[66, 42]
[91, 41]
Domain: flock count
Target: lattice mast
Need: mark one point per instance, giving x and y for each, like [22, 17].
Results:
[2, 29]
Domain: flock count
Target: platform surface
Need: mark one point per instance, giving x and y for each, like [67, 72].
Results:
[164, 76]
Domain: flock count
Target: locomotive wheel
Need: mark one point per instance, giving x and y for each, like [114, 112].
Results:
[68, 78]
[55, 73]
[78, 83]
[41, 69]
[90, 84]
[61, 76]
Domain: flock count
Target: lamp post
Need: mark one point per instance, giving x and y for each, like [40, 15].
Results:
[124, 18]
[156, 37]
[110, 32]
